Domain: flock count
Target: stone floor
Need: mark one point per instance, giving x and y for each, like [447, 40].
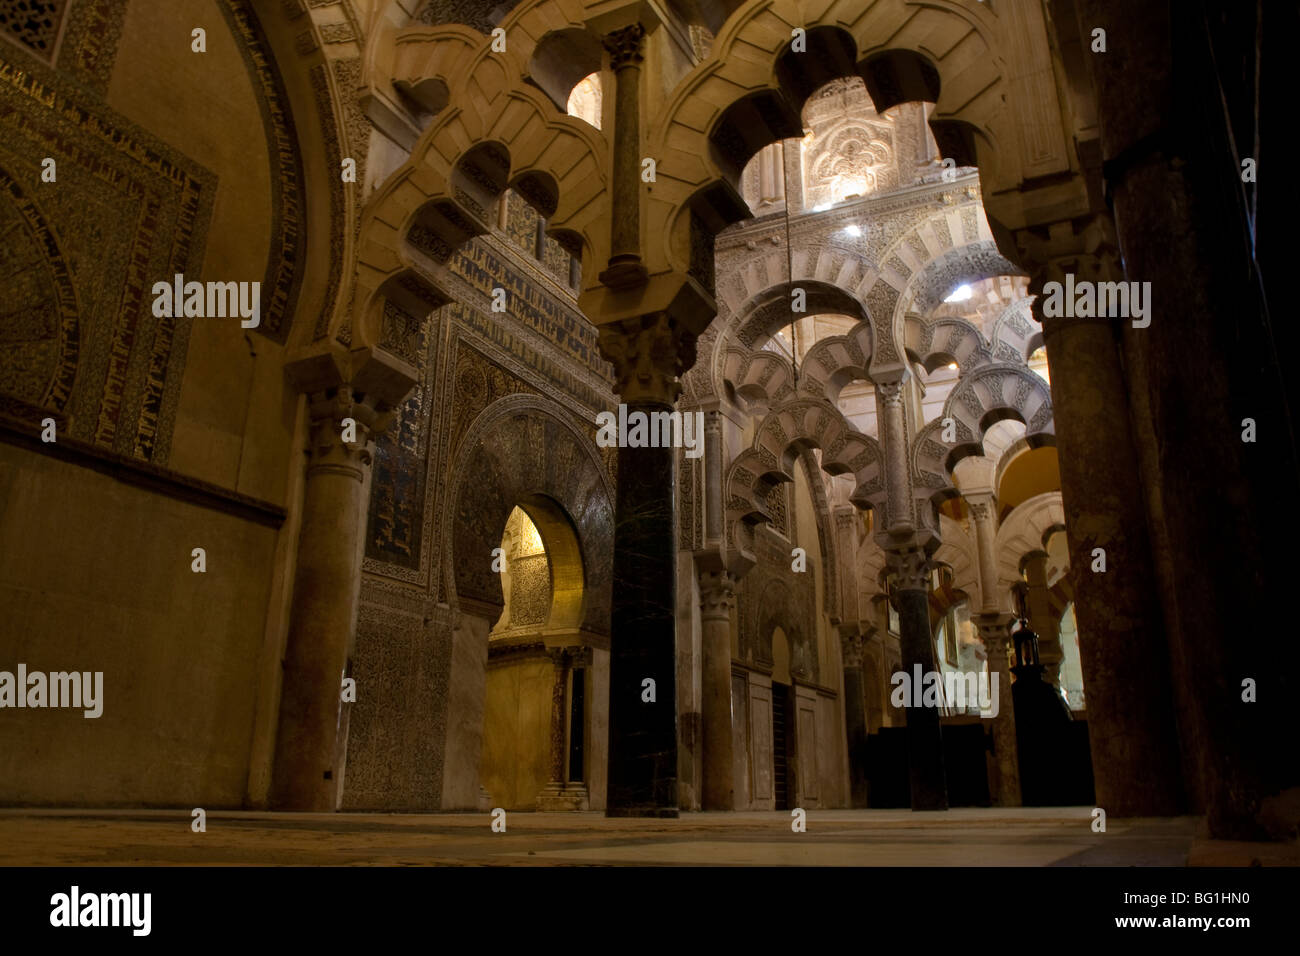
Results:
[961, 837]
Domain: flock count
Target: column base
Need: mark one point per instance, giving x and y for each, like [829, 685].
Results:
[663, 813]
[624, 272]
[565, 798]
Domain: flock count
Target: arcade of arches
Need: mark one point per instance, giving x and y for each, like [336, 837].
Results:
[822, 229]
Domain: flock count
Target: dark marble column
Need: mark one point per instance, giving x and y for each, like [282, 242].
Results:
[911, 585]
[327, 586]
[1038, 603]
[1122, 643]
[855, 714]
[560, 659]
[1211, 356]
[648, 354]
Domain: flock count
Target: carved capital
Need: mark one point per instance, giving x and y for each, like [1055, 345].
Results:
[909, 569]
[343, 428]
[626, 46]
[980, 510]
[852, 647]
[995, 632]
[649, 355]
[717, 595]
[891, 394]
[1085, 248]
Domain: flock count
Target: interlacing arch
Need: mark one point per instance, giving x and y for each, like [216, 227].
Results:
[496, 131]
[747, 94]
[761, 379]
[783, 434]
[986, 395]
[1027, 529]
[944, 340]
[927, 286]
[754, 300]
[1016, 335]
[957, 551]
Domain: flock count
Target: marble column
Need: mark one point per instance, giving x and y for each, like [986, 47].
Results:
[626, 51]
[717, 597]
[911, 583]
[891, 413]
[1213, 353]
[852, 647]
[1122, 643]
[993, 623]
[1038, 603]
[648, 354]
[327, 589]
[552, 795]
[995, 632]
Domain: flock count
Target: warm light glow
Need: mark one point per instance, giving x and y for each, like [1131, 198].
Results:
[853, 231]
[952, 366]
[584, 100]
[822, 208]
[959, 294]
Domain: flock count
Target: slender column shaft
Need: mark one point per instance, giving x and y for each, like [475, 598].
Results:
[924, 735]
[327, 588]
[994, 631]
[561, 661]
[894, 439]
[1041, 617]
[625, 50]
[717, 595]
[855, 717]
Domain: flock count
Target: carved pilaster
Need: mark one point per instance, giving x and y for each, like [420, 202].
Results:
[898, 485]
[649, 355]
[713, 507]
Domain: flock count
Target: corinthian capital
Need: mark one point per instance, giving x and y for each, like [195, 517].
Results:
[717, 594]
[910, 569]
[852, 647]
[891, 393]
[626, 46]
[343, 427]
[649, 355]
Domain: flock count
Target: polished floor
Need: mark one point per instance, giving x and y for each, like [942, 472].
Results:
[962, 837]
